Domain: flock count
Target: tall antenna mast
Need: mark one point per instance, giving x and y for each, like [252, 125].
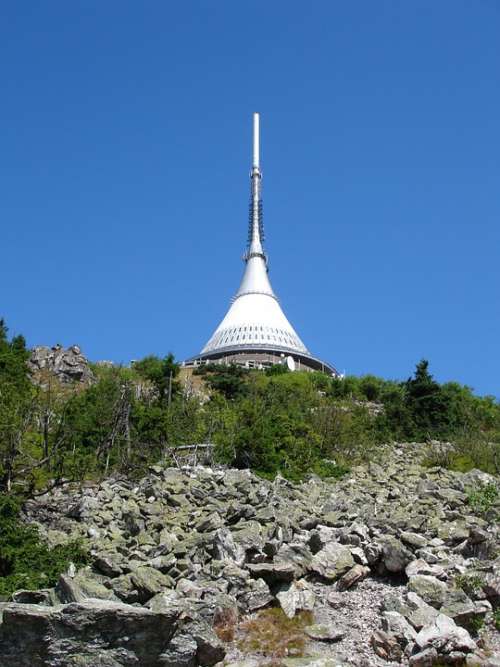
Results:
[256, 140]
[255, 227]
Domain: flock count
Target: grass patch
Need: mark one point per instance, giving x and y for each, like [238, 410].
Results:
[272, 634]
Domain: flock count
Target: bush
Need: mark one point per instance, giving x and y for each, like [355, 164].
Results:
[483, 498]
[25, 561]
[471, 584]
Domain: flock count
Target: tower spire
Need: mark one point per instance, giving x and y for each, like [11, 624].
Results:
[256, 140]
[255, 227]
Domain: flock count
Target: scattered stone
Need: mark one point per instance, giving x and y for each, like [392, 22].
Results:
[420, 613]
[426, 658]
[386, 646]
[430, 589]
[205, 547]
[413, 539]
[296, 597]
[445, 636]
[395, 556]
[272, 573]
[45, 597]
[396, 625]
[420, 566]
[332, 561]
[458, 606]
[324, 633]
[352, 577]
[148, 582]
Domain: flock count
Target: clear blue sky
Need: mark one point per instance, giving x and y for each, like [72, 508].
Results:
[126, 132]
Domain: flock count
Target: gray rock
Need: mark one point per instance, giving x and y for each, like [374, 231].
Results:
[311, 662]
[491, 587]
[430, 589]
[67, 590]
[324, 632]
[94, 630]
[181, 652]
[445, 636]
[209, 649]
[386, 646]
[420, 613]
[148, 582]
[108, 564]
[225, 547]
[208, 523]
[413, 539]
[419, 566]
[426, 658]
[272, 573]
[373, 553]
[396, 625]
[352, 577]
[332, 561]
[124, 589]
[67, 365]
[297, 554]
[255, 595]
[295, 597]
[395, 556]
[45, 597]
[359, 555]
[458, 606]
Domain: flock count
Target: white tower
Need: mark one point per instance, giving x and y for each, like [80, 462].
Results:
[255, 330]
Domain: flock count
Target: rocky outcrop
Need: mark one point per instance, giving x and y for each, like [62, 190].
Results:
[68, 366]
[391, 561]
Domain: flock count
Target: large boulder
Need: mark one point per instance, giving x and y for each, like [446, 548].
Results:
[83, 633]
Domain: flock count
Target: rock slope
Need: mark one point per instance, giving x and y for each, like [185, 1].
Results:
[394, 562]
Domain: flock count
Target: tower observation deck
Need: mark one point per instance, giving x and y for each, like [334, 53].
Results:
[255, 331]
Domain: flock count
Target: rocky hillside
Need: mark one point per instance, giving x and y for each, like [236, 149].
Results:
[69, 365]
[395, 564]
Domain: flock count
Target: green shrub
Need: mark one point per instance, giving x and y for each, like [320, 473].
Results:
[482, 499]
[25, 561]
[471, 584]
[475, 624]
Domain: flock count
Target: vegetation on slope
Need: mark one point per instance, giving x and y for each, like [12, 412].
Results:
[273, 422]
[277, 421]
[25, 561]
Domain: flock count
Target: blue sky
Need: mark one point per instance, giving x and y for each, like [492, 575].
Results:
[126, 137]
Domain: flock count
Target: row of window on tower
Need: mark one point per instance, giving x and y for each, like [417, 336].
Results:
[254, 334]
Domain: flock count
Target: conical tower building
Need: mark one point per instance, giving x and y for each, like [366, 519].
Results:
[255, 331]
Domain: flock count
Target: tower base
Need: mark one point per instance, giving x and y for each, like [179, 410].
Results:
[261, 358]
